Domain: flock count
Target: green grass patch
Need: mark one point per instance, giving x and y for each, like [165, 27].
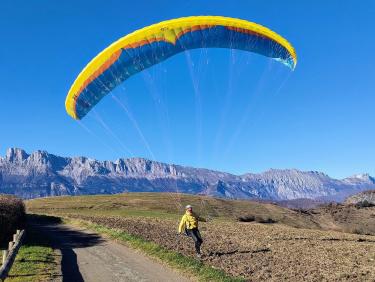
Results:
[35, 261]
[174, 259]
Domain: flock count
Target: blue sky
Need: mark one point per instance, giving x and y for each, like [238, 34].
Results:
[249, 114]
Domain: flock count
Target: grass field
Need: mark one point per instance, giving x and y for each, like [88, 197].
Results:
[163, 205]
[35, 261]
[252, 250]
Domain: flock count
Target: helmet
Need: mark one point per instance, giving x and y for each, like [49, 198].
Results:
[188, 207]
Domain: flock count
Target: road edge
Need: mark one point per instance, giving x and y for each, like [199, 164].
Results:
[193, 268]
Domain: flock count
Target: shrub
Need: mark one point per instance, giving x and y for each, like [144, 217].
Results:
[265, 220]
[12, 217]
[364, 204]
[246, 218]
[259, 219]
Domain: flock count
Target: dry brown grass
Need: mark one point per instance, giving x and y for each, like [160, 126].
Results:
[169, 206]
[261, 252]
[258, 252]
[346, 218]
[12, 217]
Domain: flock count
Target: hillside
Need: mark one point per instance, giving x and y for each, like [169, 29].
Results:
[362, 198]
[338, 217]
[41, 174]
[255, 250]
[167, 205]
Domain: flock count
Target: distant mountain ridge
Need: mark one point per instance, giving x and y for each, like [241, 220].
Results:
[41, 174]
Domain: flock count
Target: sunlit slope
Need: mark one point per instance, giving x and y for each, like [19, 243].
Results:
[257, 252]
[166, 205]
[345, 218]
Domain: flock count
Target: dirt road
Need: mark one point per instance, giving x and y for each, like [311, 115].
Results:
[89, 257]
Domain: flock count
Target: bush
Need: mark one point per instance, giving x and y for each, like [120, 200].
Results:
[246, 218]
[259, 219]
[265, 220]
[364, 204]
[12, 217]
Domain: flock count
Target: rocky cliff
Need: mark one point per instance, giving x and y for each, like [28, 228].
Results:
[42, 174]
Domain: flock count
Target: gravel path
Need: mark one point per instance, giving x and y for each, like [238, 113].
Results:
[88, 257]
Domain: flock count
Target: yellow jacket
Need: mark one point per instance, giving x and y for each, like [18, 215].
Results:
[188, 221]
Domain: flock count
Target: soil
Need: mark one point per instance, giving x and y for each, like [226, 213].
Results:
[261, 252]
[327, 243]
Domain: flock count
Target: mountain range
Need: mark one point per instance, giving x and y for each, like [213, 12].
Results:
[41, 174]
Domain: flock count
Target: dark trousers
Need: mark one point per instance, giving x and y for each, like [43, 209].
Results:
[196, 235]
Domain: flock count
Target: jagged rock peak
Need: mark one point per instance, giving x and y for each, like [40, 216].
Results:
[144, 166]
[41, 174]
[361, 176]
[365, 178]
[39, 155]
[16, 155]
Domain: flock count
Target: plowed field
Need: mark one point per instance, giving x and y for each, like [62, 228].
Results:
[261, 252]
[293, 249]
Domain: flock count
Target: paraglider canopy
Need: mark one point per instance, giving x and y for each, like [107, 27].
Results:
[153, 44]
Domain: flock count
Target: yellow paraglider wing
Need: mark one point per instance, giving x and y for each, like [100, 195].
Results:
[153, 44]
